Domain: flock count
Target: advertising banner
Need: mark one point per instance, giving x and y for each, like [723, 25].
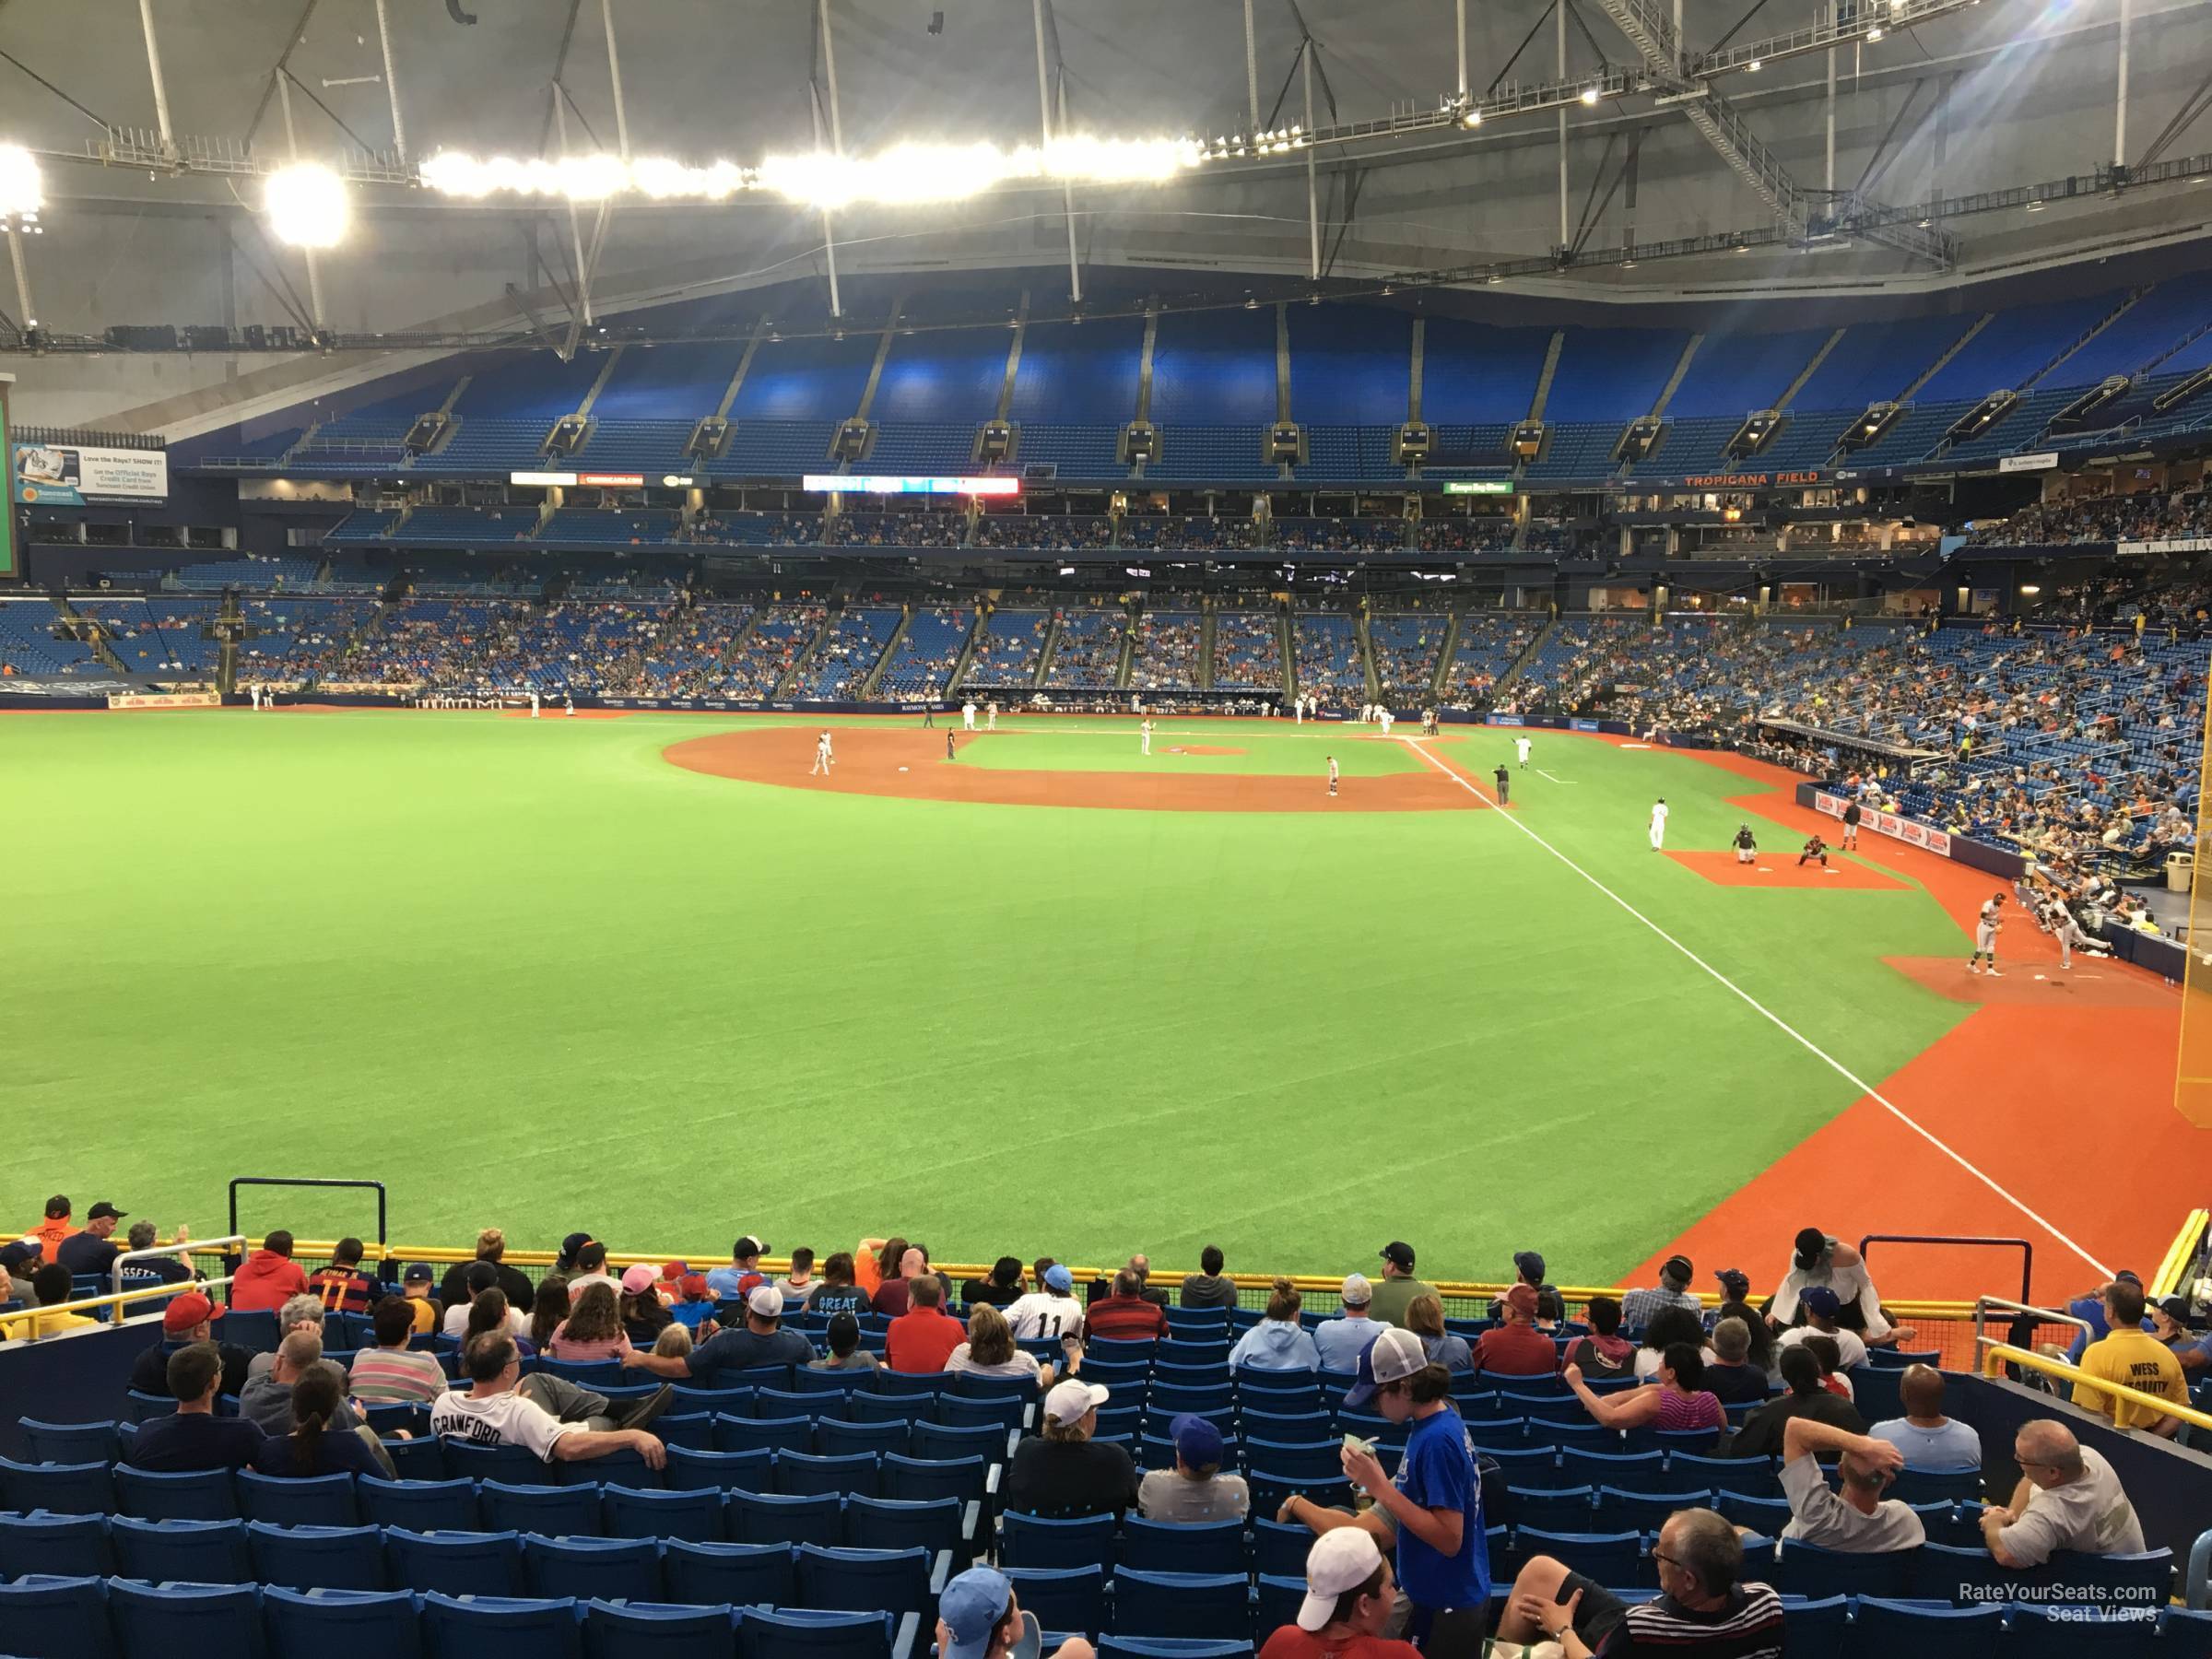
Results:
[68, 474]
[2040, 460]
[1911, 831]
[165, 700]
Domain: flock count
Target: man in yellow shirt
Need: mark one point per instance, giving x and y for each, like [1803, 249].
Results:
[49, 1286]
[2132, 1357]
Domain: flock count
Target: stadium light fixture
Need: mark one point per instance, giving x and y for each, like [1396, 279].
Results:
[1589, 95]
[22, 188]
[306, 204]
[1874, 34]
[1755, 66]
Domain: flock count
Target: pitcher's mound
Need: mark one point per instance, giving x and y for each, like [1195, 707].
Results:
[1782, 870]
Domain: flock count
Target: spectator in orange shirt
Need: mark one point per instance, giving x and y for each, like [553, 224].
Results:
[923, 1338]
[54, 1227]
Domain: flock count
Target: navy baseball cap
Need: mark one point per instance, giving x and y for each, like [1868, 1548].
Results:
[1820, 1299]
[1735, 1282]
[418, 1273]
[1529, 1265]
[1197, 1441]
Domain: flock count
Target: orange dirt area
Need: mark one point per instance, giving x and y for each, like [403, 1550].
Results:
[553, 712]
[1782, 870]
[2036, 982]
[1202, 748]
[907, 763]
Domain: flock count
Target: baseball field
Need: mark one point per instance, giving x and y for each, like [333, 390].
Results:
[647, 977]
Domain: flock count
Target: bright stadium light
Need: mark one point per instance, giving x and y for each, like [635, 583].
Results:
[22, 189]
[1589, 95]
[306, 204]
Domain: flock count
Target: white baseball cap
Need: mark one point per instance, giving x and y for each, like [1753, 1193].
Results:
[766, 1302]
[1341, 1559]
[1071, 1401]
[1357, 1292]
[1396, 1354]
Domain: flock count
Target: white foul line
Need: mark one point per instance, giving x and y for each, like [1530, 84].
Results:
[1805, 1042]
[1542, 773]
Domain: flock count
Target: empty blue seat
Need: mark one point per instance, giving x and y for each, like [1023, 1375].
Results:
[1645, 1512]
[648, 1512]
[948, 1442]
[1764, 1515]
[419, 1459]
[884, 1406]
[1947, 1572]
[764, 1434]
[1626, 1471]
[652, 1631]
[2128, 1581]
[1937, 1486]
[1160, 1546]
[833, 1437]
[194, 1552]
[511, 1465]
[2080, 1632]
[59, 1489]
[1170, 1647]
[1820, 1629]
[1211, 1352]
[1062, 1598]
[1027, 1540]
[1000, 1410]
[252, 1328]
[1315, 1460]
[741, 1574]
[886, 1523]
[916, 1480]
[159, 1621]
[1275, 1602]
[801, 1475]
[144, 1407]
[1609, 1558]
[319, 1501]
[1269, 1489]
[340, 1624]
[598, 1374]
[692, 1471]
[318, 1558]
[1285, 1427]
[691, 1429]
[1753, 1476]
[47, 1618]
[624, 1466]
[1916, 1630]
[1566, 1509]
[190, 1495]
[498, 1626]
[480, 1563]
[417, 1505]
[556, 1511]
[1200, 1605]
[69, 1442]
[969, 1384]
[55, 1545]
[1279, 1548]
[890, 1580]
[786, 1633]
[782, 1518]
[597, 1568]
[1806, 1570]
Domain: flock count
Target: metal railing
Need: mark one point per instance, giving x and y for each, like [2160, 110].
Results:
[2167, 1281]
[1995, 1355]
[182, 1247]
[2023, 1246]
[25, 1323]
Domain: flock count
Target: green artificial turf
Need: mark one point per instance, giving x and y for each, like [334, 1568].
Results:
[530, 973]
[1268, 749]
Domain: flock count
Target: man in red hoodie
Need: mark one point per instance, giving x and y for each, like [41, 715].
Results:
[923, 1338]
[267, 1276]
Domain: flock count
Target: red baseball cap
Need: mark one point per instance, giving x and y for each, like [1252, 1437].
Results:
[189, 1310]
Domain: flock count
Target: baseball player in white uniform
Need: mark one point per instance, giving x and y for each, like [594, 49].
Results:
[1298, 708]
[533, 703]
[990, 716]
[1144, 733]
[1658, 823]
[254, 690]
[567, 705]
[1384, 717]
[968, 715]
[2059, 922]
[1986, 936]
[1332, 775]
[1521, 749]
[821, 756]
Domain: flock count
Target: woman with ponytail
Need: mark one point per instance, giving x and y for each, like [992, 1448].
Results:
[315, 1446]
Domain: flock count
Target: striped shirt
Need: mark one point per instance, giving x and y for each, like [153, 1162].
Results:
[1748, 1626]
[387, 1376]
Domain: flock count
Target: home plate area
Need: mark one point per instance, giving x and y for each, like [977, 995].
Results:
[1782, 870]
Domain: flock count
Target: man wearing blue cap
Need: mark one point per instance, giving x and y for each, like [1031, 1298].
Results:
[1050, 1310]
[1194, 1492]
[979, 1619]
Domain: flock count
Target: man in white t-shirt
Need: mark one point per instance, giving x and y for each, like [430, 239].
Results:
[1858, 1520]
[1819, 1305]
[1658, 823]
[2068, 1498]
[1050, 1312]
[504, 1408]
[1928, 1438]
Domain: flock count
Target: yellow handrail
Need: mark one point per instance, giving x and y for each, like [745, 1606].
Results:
[2167, 1280]
[115, 1301]
[1998, 1354]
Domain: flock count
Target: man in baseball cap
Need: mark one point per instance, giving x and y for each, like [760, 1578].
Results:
[1528, 1269]
[1398, 1287]
[1348, 1595]
[1063, 1471]
[1638, 1307]
[1821, 1307]
[1343, 1339]
[1517, 1349]
[978, 1617]
[94, 1250]
[761, 1340]
[188, 1319]
[1049, 1310]
[735, 1282]
[1194, 1492]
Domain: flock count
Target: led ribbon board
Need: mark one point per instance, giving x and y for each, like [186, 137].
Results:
[890, 483]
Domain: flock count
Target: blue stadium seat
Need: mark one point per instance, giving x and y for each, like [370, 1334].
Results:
[1820, 1629]
[509, 1463]
[764, 1434]
[1062, 1598]
[69, 1442]
[781, 1518]
[1276, 1601]
[253, 1329]
[999, 1409]
[1317, 1460]
[1646, 1511]
[694, 1430]
[1945, 1572]
[943, 1442]
[55, 1545]
[835, 1438]
[887, 1523]
[1625, 1471]
[1806, 1570]
[48, 1618]
[1168, 1647]
[785, 1633]
[1283, 1427]
[650, 1630]
[1566, 1508]
[2044, 1632]
[1753, 1476]
[478, 1563]
[1269, 1489]
[2130, 1581]
[192, 1495]
[741, 1574]
[498, 1626]
[183, 1552]
[874, 1406]
[422, 1458]
[601, 1569]
[1937, 1486]
[144, 1407]
[1613, 1560]
[1764, 1515]
[622, 1464]
[419, 1505]
[890, 1580]
[1199, 1604]
[318, 1558]
[648, 1512]
[686, 1398]
[340, 1624]
[1027, 1540]
[1277, 1547]
[917, 1479]
[556, 1511]
[319, 1501]
[692, 1471]
[1906, 1629]
[2185, 1634]
[159, 1621]
[801, 1475]
[1161, 1547]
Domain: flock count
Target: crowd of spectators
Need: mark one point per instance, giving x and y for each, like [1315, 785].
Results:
[1167, 651]
[1340, 536]
[1248, 649]
[1045, 532]
[2139, 515]
[1467, 535]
